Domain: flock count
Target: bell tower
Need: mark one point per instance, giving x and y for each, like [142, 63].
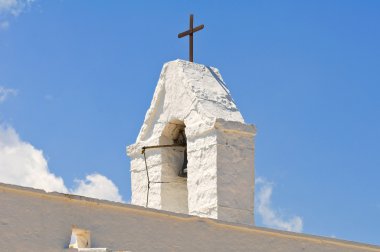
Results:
[194, 153]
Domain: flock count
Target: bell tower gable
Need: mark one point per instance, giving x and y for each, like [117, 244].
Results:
[192, 147]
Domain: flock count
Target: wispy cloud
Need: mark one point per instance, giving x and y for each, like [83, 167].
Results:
[49, 97]
[23, 164]
[6, 92]
[12, 9]
[4, 25]
[270, 217]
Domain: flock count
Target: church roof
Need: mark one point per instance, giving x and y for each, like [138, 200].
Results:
[34, 220]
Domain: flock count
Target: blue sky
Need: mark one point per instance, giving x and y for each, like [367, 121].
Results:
[76, 78]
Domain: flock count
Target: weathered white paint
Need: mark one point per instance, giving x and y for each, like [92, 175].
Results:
[32, 220]
[220, 182]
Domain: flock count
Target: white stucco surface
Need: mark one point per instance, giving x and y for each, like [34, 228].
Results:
[32, 220]
[220, 148]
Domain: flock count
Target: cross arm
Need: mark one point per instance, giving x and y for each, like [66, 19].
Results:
[188, 32]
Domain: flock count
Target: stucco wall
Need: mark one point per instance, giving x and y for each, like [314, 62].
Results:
[32, 220]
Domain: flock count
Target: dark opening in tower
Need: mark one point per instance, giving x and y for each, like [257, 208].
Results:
[182, 141]
[174, 167]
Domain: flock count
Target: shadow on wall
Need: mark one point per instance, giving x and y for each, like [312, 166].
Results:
[174, 168]
[221, 83]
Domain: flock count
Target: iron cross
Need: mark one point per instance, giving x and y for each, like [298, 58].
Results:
[190, 33]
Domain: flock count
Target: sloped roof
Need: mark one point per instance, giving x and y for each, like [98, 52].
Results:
[34, 220]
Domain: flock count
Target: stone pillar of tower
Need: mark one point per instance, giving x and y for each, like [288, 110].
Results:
[191, 101]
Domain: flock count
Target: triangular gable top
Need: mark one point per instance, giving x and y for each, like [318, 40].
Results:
[192, 93]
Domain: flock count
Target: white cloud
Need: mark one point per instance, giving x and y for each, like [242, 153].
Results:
[5, 92]
[269, 216]
[23, 164]
[97, 186]
[11, 9]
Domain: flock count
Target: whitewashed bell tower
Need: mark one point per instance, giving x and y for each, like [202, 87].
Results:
[194, 153]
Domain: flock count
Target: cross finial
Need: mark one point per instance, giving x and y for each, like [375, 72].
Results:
[190, 33]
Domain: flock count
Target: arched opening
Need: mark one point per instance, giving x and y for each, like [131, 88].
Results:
[174, 168]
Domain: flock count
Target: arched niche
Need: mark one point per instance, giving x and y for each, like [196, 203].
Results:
[174, 193]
